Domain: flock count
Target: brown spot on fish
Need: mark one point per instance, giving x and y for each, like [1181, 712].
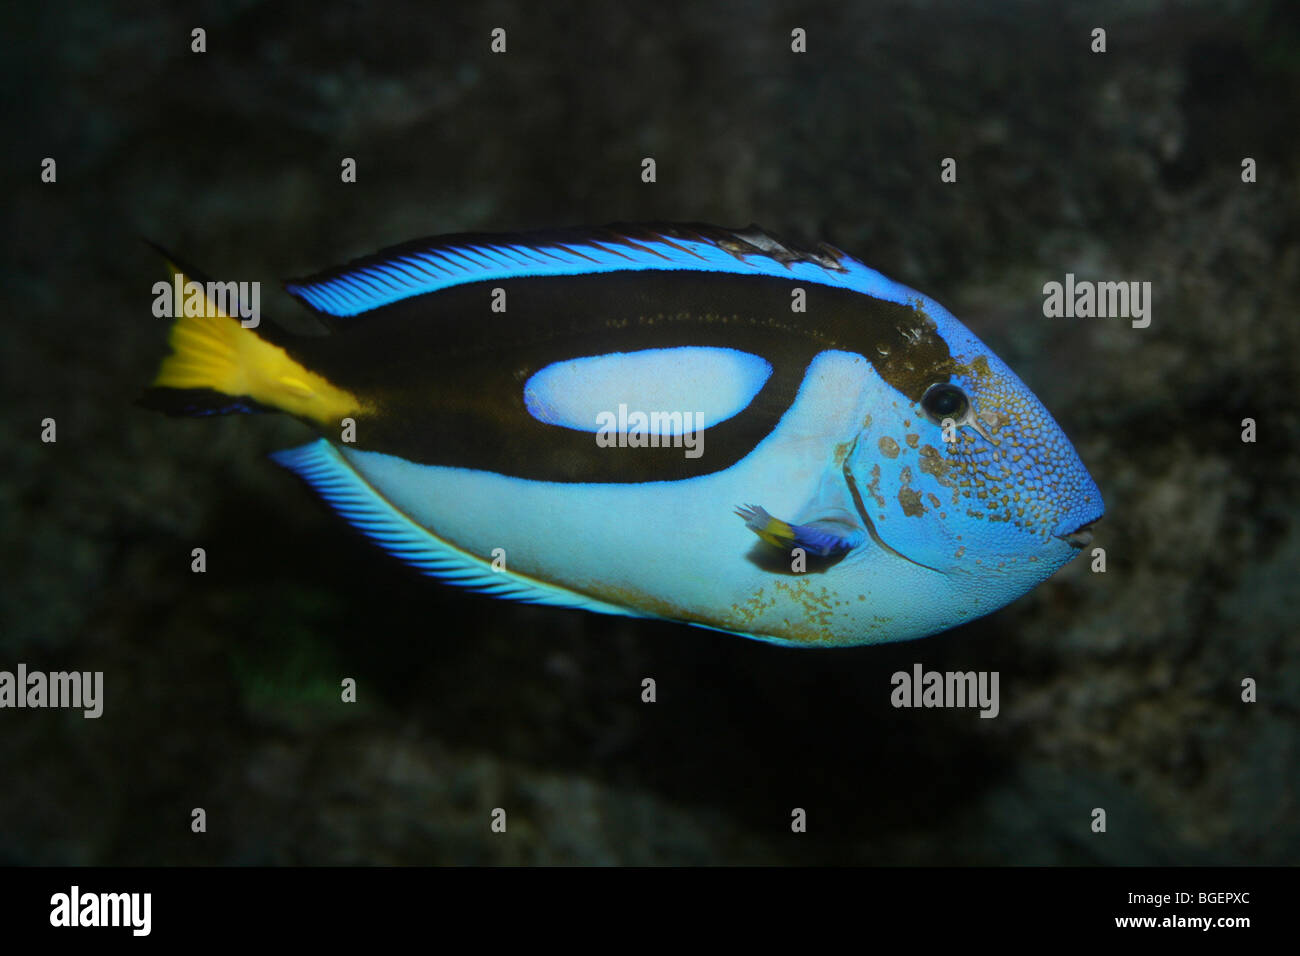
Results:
[908, 497]
[977, 368]
[817, 627]
[873, 488]
[888, 447]
[933, 499]
[748, 613]
[912, 439]
[910, 501]
[933, 463]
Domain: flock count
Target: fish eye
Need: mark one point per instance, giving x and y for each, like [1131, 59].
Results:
[945, 401]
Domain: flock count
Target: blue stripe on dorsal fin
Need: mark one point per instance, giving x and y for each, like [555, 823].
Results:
[321, 465]
[428, 265]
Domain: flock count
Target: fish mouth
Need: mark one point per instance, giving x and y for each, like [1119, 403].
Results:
[1081, 536]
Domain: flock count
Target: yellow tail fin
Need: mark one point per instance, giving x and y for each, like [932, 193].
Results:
[215, 352]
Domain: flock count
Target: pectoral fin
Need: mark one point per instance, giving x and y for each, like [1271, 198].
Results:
[823, 538]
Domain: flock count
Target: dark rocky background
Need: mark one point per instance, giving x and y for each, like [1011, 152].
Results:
[1118, 690]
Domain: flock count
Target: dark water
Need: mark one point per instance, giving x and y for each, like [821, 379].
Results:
[1119, 690]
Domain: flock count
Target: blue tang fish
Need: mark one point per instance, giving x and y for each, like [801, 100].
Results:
[685, 422]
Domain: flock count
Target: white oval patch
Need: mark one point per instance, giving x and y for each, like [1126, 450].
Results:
[677, 390]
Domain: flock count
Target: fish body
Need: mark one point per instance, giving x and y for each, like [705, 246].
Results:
[685, 422]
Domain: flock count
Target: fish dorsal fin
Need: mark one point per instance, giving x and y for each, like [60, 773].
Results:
[429, 265]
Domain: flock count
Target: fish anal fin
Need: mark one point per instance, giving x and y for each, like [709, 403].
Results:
[322, 466]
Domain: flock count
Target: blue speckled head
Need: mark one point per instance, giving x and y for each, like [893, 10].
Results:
[1005, 497]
